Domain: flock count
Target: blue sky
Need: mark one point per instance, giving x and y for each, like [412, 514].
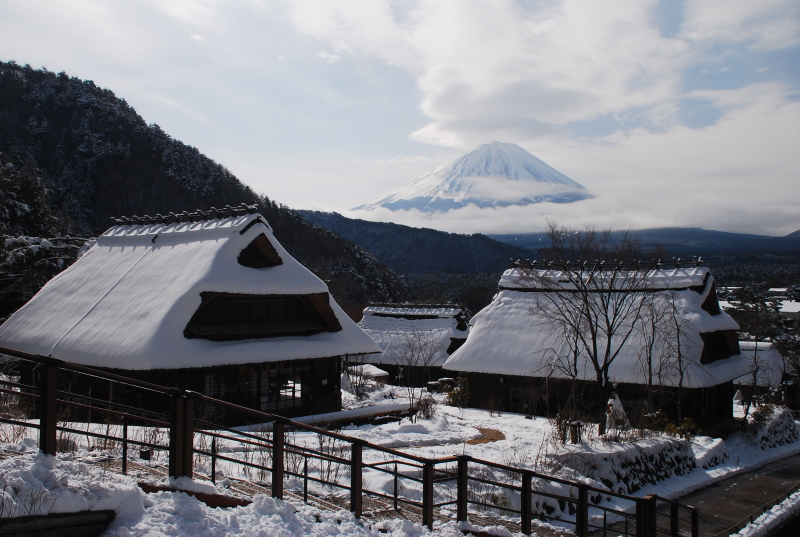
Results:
[674, 113]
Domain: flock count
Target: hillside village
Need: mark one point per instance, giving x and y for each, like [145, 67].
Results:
[269, 366]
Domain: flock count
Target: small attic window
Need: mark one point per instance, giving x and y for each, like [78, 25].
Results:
[259, 254]
[228, 317]
[719, 345]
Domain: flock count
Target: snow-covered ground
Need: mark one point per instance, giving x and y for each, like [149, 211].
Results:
[67, 484]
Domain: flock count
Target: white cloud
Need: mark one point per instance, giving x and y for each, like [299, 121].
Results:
[329, 57]
[762, 25]
[736, 175]
[489, 69]
[197, 37]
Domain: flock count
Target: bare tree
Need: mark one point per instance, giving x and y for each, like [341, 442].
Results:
[759, 320]
[593, 306]
[415, 351]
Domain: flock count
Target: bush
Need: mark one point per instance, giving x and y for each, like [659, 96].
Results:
[687, 429]
[459, 396]
[426, 407]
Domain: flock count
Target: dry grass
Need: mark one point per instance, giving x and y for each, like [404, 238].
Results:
[487, 435]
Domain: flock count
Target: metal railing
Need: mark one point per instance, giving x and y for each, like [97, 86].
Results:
[272, 454]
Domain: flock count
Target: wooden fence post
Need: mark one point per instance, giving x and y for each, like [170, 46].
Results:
[525, 503]
[641, 517]
[188, 434]
[427, 495]
[48, 417]
[646, 511]
[582, 512]
[125, 444]
[674, 521]
[356, 479]
[181, 434]
[462, 490]
[278, 437]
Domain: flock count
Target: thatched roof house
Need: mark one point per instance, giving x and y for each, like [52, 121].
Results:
[209, 300]
[515, 339]
[414, 336]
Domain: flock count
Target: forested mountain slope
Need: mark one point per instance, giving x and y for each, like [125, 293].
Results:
[76, 155]
[412, 250]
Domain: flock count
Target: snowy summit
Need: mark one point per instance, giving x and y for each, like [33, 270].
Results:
[493, 175]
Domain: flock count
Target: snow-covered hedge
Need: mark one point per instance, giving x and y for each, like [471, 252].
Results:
[709, 452]
[627, 467]
[771, 426]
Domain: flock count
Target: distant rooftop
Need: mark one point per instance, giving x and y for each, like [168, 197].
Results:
[413, 310]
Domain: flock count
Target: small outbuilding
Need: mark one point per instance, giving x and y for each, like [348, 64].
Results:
[204, 301]
[415, 340]
[518, 358]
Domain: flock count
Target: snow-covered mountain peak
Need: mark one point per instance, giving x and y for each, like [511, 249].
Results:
[496, 174]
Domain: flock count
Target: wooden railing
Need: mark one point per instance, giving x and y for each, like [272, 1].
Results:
[462, 482]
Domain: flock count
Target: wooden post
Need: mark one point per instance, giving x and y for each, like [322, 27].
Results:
[278, 437]
[214, 460]
[188, 435]
[356, 479]
[652, 513]
[646, 519]
[305, 479]
[674, 522]
[125, 445]
[48, 418]
[525, 503]
[582, 512]
[641, 517]
[181, 434]
[395, 486]
[427, 495]
[462, 490]
[695, 523]
[177, 423]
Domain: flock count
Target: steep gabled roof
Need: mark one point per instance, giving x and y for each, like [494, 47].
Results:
[391, 327]
[770, 366]
[508, 337]
[128, 301]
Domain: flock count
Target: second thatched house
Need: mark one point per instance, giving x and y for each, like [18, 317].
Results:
[660, 339]
[415, 340]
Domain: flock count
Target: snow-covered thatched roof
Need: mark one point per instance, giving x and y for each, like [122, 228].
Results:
[511, 336]
[129, 302]
[396, 328]
[414, 310]
[767, 363]
[368, 370]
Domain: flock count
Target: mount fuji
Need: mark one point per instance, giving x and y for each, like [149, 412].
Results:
[493, 175]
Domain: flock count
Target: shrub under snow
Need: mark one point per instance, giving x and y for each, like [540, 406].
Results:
[771, 426]
[627, 467]
[709, 452]
[37, 484]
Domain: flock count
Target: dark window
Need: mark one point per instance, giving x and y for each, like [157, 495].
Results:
[260, 254]
[224, 317]
[282, 385]
[719, 345]
[455, 344]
